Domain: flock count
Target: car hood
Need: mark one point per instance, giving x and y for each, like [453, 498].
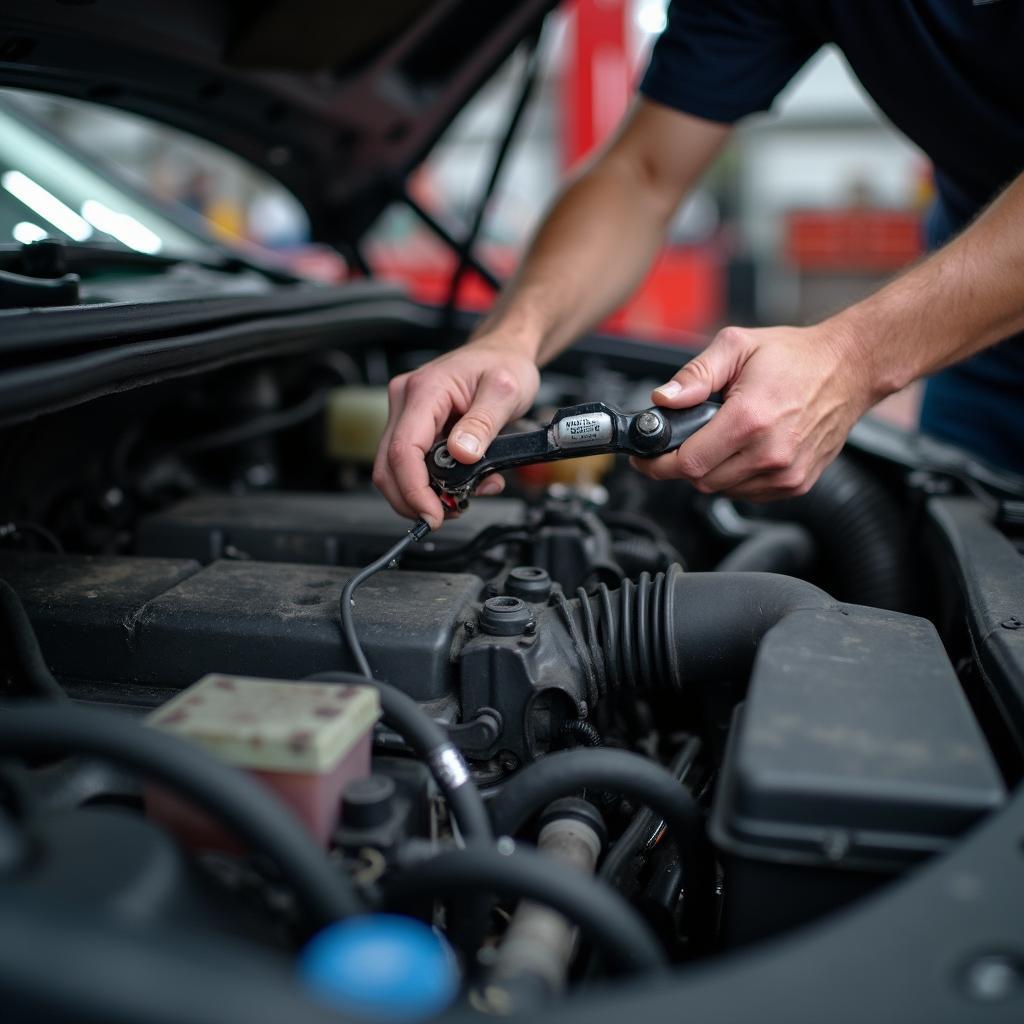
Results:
[338, 101]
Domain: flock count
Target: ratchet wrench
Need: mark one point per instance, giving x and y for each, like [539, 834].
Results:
[589, 429]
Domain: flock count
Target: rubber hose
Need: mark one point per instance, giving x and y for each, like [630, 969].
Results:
[618, 771]
[636, 833]
[228, 794]
[25, 645]
[689, 628]
[637, 553]
[601, 914]
[430, 743]
[862, 541]
[775, 547]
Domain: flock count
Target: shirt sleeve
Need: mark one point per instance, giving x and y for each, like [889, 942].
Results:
[724, 59]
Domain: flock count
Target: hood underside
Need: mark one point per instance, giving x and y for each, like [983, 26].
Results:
[338, 101]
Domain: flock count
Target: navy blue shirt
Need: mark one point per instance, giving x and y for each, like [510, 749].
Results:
[948, 73]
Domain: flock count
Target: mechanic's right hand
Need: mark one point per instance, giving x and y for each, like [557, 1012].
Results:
[486, 383]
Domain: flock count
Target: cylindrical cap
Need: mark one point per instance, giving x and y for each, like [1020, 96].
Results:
[504, 616]
[382, 966]
[366, 802]
[529, 582]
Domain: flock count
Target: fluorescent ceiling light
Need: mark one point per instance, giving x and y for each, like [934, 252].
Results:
[47, 205]
[25, 231]
[122, 226]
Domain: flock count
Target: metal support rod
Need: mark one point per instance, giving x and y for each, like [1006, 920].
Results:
[530, 75]
[446, 236]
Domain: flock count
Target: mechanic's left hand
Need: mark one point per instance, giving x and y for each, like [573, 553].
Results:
[791, 395]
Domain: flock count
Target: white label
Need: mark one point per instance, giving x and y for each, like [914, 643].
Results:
[586, 429]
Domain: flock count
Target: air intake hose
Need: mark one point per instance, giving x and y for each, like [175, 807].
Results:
[675, 628]
[860, 536]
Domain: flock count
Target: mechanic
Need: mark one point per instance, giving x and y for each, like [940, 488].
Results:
[948, 73]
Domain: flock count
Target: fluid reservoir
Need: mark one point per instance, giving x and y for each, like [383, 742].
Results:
[355, 421]
[305, 741]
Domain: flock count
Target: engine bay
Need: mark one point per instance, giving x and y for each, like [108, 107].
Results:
[714, 723]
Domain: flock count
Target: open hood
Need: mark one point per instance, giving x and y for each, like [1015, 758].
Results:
[338, 101]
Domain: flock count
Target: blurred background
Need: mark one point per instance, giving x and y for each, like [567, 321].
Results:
[811, 206]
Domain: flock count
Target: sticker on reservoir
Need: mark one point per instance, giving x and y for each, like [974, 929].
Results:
[585, 429]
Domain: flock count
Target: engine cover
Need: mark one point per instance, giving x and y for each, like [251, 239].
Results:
[165, 622]
[319, 529]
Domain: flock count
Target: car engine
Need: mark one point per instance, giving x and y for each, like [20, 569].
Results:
[624, 725]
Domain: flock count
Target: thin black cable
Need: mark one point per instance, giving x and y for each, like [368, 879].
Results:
[25, 645]
[581, 730]
[429, 741]
[488, 537]
[388, 560]
[228, 794]
[617, 771]
[415, 726]
[601, 914]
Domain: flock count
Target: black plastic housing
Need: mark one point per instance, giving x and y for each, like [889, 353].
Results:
[317, 529]
[848, 762]
[165, 622]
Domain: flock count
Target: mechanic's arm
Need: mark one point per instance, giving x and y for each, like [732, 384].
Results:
[590, 253]
[792, 394]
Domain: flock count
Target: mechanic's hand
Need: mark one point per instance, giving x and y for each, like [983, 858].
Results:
[486, 383]
[791, 396]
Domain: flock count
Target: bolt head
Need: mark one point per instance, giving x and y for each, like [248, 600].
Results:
[443, 458]
[649, 423]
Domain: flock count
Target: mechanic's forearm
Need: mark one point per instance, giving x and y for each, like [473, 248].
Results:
[591, 252]
[967, 296]
[603, 233]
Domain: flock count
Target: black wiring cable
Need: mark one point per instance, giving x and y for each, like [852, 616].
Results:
[228, 794]
[23, 527]
[429, 741]
[407, 718]
[566, 772]
[581, 730]
[388, 560]
[488, 537]
[25, 645]
[603, 916]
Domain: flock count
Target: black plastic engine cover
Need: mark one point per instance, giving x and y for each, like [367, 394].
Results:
[167, 622]
[319, 529]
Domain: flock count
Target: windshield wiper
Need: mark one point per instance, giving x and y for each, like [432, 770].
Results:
[53, 258]
[48, 272]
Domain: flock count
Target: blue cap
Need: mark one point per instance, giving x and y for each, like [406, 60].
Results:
[381, 966]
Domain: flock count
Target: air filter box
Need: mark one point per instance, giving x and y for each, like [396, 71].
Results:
[854, 756]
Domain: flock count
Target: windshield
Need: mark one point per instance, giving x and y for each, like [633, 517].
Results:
[46, 190]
